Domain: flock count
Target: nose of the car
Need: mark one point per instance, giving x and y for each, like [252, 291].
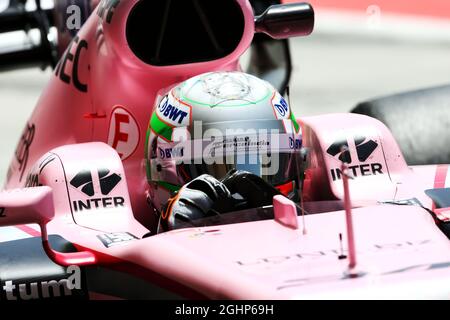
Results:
[267, 260]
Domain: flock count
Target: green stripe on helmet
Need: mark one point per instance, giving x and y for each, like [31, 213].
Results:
[168, 186]
[295, 123]
[146, 156]
[160, 127]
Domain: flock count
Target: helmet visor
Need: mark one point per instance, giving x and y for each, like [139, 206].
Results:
[276, 168]
[270, 154]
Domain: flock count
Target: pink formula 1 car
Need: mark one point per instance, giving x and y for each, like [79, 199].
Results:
[74, 214]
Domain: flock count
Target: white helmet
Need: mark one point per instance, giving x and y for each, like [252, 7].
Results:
[217, 122]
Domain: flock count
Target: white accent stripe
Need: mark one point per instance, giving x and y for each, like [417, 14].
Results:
[447, 179]
[12, 233]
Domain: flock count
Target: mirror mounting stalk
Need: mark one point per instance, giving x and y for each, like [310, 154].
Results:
[35, 205]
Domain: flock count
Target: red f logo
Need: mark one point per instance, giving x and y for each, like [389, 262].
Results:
[123, 132]
[120, 118]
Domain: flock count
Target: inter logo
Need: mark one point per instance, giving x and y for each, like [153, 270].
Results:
[84, 182]
[364, 149]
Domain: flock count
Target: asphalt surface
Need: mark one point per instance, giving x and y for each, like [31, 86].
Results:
[331, 74]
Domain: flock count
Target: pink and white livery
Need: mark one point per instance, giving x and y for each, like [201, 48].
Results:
[77, 191]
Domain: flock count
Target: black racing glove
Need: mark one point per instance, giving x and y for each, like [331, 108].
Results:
[255, 191]
[205, 196]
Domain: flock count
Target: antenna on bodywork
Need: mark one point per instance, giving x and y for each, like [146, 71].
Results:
[349, 219]
[300, 188]
[341, 247]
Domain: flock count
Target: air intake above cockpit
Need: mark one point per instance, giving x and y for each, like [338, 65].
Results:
[172, 32]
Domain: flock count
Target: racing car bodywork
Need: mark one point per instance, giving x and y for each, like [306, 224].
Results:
[78, 176]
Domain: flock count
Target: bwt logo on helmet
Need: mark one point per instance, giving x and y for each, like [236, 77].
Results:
[364, 149]
[175, 115]
[295, 143]
[280, 106]
[168, 153]
[83, 181]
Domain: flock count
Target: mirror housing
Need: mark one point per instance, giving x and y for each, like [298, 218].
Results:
[286, 20]
[285, 212]
[26, 206]
[35, 205]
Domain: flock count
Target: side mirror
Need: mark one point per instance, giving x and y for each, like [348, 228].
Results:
[35, 205]
[285, 212]
[286, 20]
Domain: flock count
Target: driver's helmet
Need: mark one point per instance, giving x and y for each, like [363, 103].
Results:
[217, 122]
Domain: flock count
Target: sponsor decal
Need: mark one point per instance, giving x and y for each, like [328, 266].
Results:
[45, 162]
[327, 253]
[123, 132]
[2, 212]
[298, 282]
[106, 9]
[340, 150]
[169, 153]
[405, 202]
[215, 232]
[280, 107]
[33, 176]
[227, 145]
[23, 148]
[295, 143]
[71, 60]
[44, 289]
[83, 181]
[115, 238]
[172, 112]
[32, 181]
[364, 148]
